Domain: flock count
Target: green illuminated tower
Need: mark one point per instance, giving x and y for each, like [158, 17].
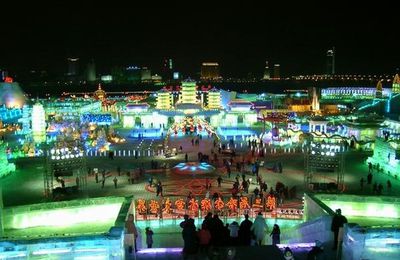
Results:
[396, 84]
[163, 99]
[38, 123]
[188, 92]
[214, 99]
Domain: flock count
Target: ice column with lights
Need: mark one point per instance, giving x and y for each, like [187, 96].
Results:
[385, 155]
[38, 123]
[26, 119]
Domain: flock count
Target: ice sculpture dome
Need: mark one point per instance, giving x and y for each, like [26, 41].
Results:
[11, 95]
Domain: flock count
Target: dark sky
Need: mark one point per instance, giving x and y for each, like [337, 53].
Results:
[241, 36]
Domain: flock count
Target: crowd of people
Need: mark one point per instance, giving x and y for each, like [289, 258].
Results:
[213, 233]
[377, 189]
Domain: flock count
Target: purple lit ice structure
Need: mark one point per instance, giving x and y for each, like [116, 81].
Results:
[194, 168]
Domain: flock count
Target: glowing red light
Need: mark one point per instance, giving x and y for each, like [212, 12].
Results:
[8, 80]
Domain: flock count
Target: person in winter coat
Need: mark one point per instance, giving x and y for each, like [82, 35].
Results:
[259, 228]
[276, 234]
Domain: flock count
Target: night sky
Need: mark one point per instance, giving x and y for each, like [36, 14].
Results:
[239, 36]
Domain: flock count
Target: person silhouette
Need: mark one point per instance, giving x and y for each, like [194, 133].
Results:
[337, 227]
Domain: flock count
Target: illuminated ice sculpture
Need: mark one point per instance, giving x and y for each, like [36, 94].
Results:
[5, 167]
[214, 99]
[38, 123]
[188, 93]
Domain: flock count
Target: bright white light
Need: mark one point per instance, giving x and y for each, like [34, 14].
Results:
[322, 153]
[323, 146]
[52, 151]
[312, 152]
[332, 154]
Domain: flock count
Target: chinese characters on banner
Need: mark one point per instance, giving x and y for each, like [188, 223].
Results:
[167, 206]
[257, 203]
[244, 203]
[271, 203]
[219, 204]
[205, 205]
[141, 206]
[193, 205]
[154, 207]
[180, 204]
[233, 205]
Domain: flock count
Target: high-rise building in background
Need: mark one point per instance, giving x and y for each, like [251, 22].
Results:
[267, 74]
[277, 71]
[167, 69]
[210, 71]
[330, 61]
[91, 71]
[145, 74]
[133, 74]
[73, 66]
[396, 84]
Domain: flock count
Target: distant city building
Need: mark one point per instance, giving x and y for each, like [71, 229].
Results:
[145, 74]
[73, 66]
[379, 89]
[210, 71]
[106, 78]
[156, 78]
[133, 74]
[167, 69]
[277, 71]
[267, 74]
[91, 71]
[330, 62]
[396, 84]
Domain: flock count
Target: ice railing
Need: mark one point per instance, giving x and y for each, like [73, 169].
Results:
[371, 243]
